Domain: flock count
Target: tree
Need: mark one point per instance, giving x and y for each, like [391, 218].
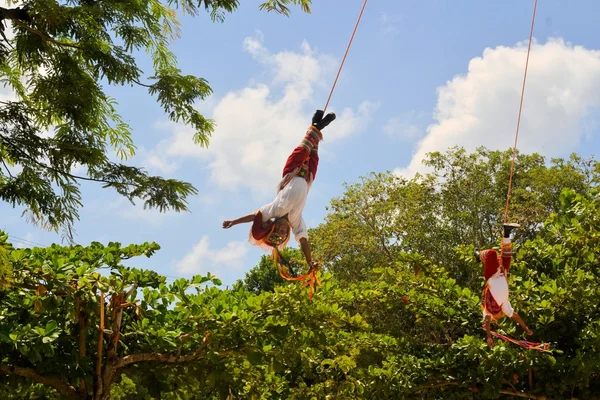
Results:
[473, 190]
[436, 318]
[76, 323]
[61, 56]
[265, 276]
[57, 305]
[65, 325]
[459, 202]
[398, 334]
[372, 222]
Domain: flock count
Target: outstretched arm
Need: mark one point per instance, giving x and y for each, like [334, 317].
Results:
[241, 220]
[520, 321]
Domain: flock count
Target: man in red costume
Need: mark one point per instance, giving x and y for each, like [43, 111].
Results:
[271, 224]
[494, 299]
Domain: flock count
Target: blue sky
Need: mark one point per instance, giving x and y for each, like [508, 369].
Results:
[421, 76]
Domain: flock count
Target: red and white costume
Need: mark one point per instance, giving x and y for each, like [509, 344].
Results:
[298, 175]
[494, 299]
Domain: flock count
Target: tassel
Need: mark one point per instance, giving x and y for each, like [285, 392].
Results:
[309, 279]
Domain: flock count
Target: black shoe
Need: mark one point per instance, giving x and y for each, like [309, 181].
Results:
[476, 254]
[317, 117]
[325, 121]
[508, 228]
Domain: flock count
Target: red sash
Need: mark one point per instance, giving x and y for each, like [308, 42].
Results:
[489, 304]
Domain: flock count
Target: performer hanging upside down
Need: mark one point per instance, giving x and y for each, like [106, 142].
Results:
[494, 299]
[271, 223]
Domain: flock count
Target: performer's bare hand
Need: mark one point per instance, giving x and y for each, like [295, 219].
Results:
[490, 342]
[227, 224]
[528, 331]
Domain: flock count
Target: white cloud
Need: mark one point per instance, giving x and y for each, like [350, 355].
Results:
[407, 126]
[79, 169]
[153, 162]
[124, 209]
[209, 199]
[480, 108]
[7, 94]
[258, 126]
[202, 258]
[389, 23]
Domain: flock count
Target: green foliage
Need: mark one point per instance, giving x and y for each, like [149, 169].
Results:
[280, 6]
[228, 340]
[128, 389]
[373, 222]
[5, 264]
[18, 389]
[410, 328]
[265, 277]
[460, 202]
[61, 57]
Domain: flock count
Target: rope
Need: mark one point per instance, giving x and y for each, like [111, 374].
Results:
[309, 279]
[541, 347]
[344, 59]
[512, 165]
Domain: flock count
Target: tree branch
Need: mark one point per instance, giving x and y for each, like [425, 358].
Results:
[168, 358]
[58, 293]
[142, 84]
[57, 383]
[82, 343]
[434, 386]
[131, 290]
[186, 336]
[100, 347]
[509, 392]
[44, 37]
[510, 384]
[163, 358]
[18, 15]
[111, 371]
[524, 395]
[158, 357]
[15, 147]
[378, 233]
[7, 170]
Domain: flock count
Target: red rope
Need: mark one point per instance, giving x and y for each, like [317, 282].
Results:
[543, 347]
[310, 279]
[344, 59]
[512, 165]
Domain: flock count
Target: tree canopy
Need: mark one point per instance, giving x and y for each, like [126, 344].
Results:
[265, 277]
[58, 63]
[77, 323]
[461, 200]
